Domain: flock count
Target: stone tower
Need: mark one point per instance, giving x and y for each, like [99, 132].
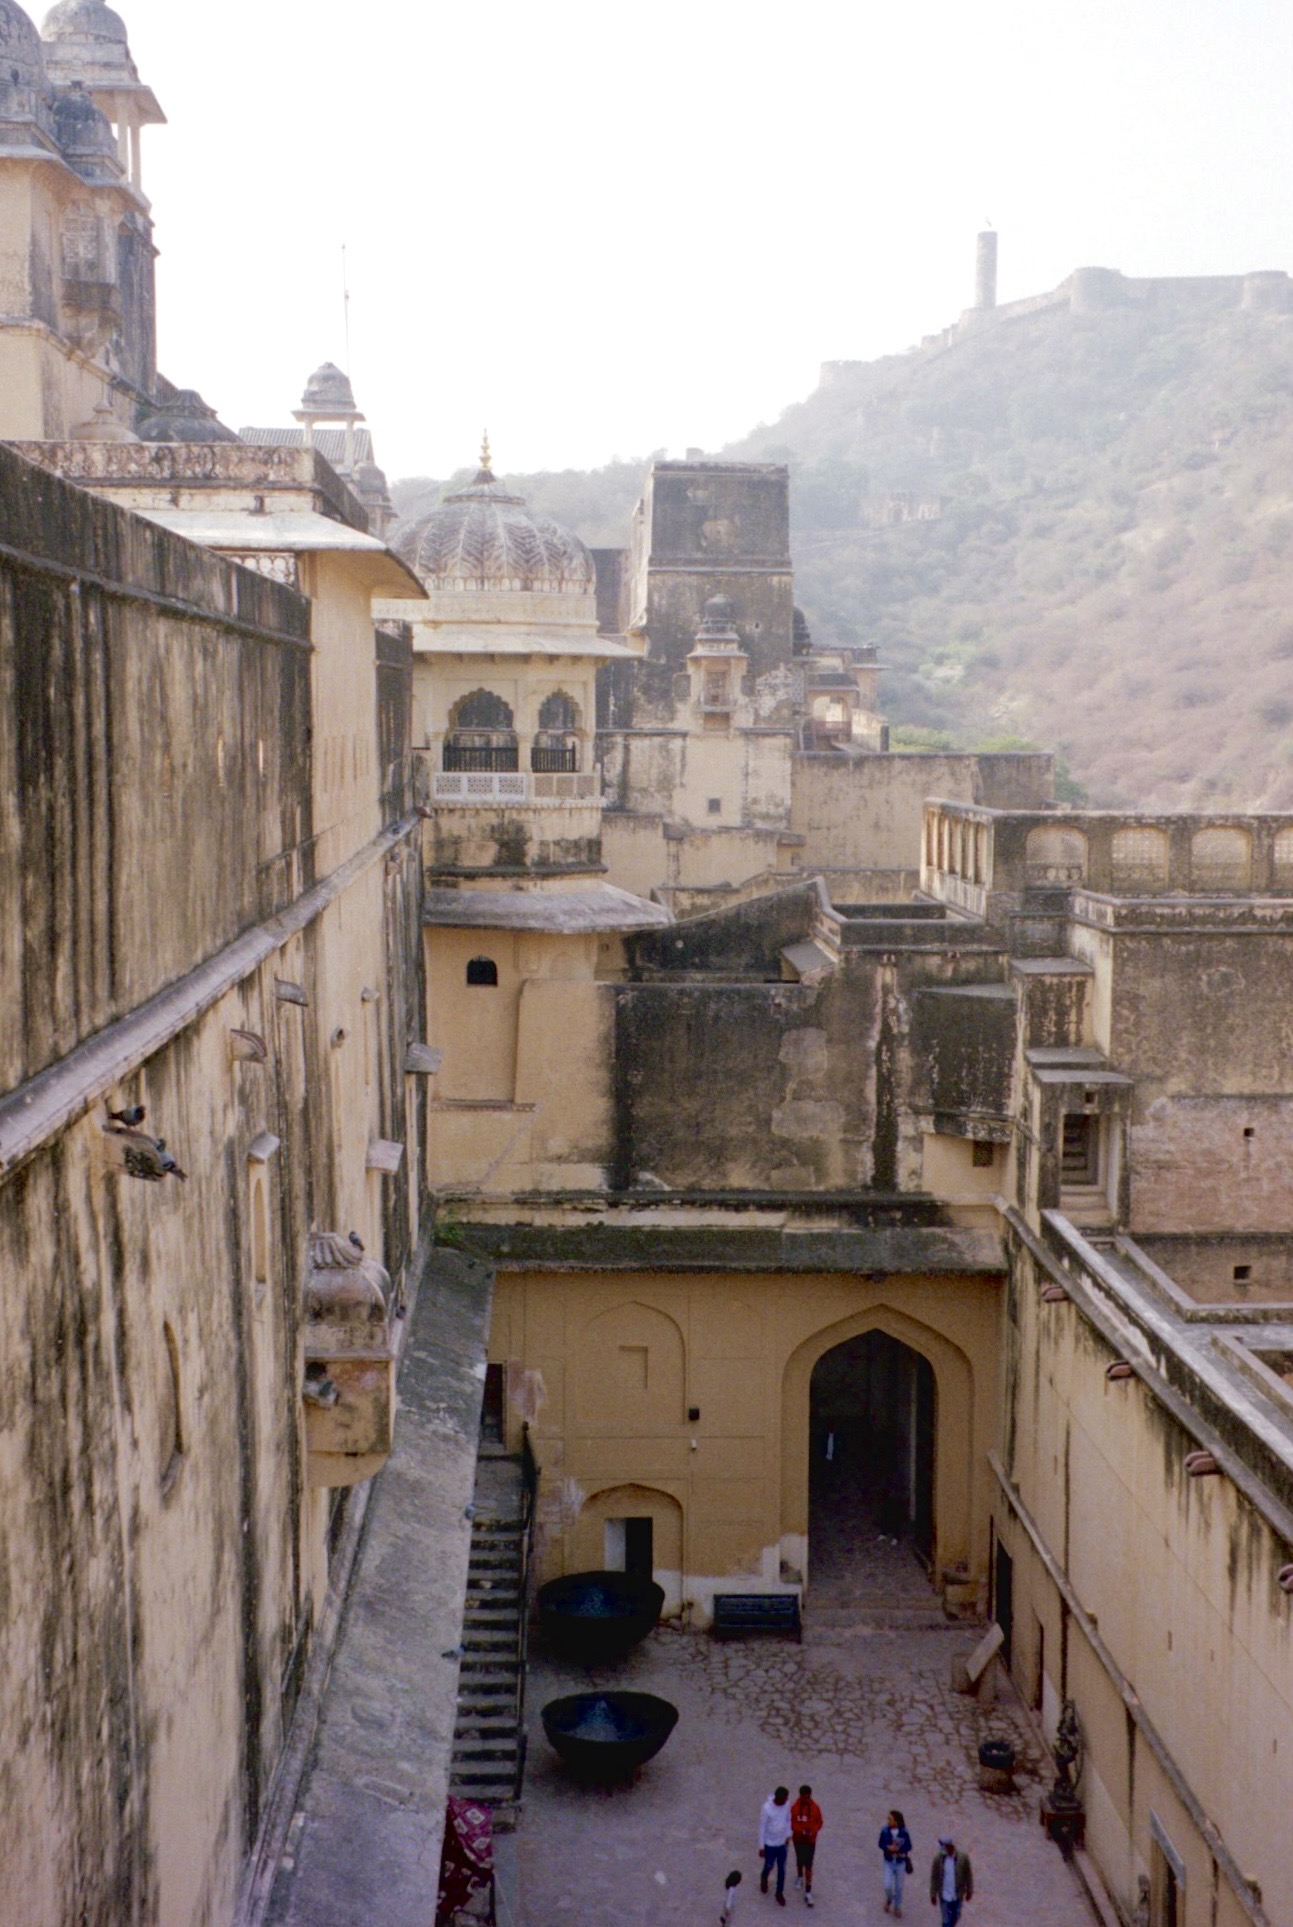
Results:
[985, 269]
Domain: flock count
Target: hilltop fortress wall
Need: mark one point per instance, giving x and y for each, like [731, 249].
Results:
[1095, 291]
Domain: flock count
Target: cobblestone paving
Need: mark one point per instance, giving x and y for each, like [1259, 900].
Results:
[868, 1717]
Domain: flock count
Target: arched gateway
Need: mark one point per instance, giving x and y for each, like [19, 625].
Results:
[872, 1426]
[879, 1421]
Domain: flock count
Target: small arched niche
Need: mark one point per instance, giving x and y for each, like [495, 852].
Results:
[1221, 858]
[1138, 859]
[482, 974]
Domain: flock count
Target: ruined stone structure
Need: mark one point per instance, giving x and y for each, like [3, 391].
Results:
[937, 1169]
[1096, 291]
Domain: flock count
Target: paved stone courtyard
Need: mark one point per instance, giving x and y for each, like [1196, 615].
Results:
[866, 1716]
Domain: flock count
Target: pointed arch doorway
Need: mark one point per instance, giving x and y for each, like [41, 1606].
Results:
[872, 1431]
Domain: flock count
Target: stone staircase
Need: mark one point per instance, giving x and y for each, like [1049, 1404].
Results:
[489, 1738]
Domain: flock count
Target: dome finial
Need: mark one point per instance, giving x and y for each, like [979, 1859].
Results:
[484, 449]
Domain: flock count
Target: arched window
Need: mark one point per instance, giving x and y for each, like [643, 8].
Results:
[556, 745]
[481, 734]
[482, 970]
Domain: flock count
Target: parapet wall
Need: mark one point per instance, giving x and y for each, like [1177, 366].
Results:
[154, 759]
[864, 812]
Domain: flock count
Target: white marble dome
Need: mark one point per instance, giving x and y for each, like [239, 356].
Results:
[482, 538]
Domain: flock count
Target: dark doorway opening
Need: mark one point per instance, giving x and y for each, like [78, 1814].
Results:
[1003, 1603]
[872, 1428]
[639, 1551]
[491, 1408]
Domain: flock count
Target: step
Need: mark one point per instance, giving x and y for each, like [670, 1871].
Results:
[882, 1618]
[485, 1786]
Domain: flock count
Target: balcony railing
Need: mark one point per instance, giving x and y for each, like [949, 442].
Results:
[496, 758]
[484, 787]
[552, 762]
[480, 785]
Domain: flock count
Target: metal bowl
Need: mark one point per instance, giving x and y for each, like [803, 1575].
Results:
[595, 1618]
[604, 1737]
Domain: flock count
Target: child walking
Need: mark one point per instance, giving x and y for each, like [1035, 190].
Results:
[728, 1909]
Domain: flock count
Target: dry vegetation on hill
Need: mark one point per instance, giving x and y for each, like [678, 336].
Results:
[1112, 571]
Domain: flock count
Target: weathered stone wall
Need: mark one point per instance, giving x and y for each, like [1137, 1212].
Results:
[865, 812]
[164, 1556]
[1150, 1598]
[747, 939]
[726, 1084]
[1201, 1020]
[154, 759]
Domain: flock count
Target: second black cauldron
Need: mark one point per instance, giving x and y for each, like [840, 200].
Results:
[605, 1737]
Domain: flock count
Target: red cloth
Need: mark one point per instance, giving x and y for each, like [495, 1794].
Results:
[805, 1820]
[467, 1858]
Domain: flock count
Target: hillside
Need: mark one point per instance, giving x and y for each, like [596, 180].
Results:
[1109, 570]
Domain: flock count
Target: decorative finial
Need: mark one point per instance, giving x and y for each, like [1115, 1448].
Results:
[484, 449]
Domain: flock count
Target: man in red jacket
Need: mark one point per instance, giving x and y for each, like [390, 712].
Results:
[805, 1825]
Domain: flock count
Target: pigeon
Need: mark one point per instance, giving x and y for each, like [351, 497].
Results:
[356, 1241]
[169, 1165]
[131, 1118]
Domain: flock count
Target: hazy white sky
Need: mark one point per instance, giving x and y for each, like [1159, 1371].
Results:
[601, 229]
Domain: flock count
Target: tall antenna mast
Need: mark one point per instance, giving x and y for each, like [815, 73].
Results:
[345, 303]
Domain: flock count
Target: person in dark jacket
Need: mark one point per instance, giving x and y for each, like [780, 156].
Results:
[951, 1880]
[895, 1847]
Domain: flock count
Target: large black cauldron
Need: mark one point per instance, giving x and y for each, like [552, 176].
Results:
[594, 1618]
[603, 1737]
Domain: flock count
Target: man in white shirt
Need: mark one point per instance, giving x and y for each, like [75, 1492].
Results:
[774, 1840]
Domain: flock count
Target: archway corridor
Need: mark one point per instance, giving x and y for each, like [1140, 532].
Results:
[872, 1430]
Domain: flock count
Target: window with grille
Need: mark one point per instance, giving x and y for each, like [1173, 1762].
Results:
[81, 250]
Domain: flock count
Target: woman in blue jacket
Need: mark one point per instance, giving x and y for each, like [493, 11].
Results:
[895, 1845]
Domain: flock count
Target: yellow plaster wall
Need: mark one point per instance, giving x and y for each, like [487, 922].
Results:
[1177, 1577]
[523, 1097]
[606, 1365]
[347, 776]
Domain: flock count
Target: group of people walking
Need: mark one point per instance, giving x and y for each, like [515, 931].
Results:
[783, 1826]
